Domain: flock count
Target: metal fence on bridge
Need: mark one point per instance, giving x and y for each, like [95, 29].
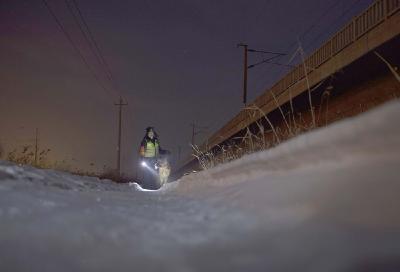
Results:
[379, 11]
[360, 25]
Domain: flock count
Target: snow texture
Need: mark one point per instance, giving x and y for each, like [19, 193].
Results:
[328, 200]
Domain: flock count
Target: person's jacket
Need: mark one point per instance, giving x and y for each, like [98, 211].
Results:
[149, 148]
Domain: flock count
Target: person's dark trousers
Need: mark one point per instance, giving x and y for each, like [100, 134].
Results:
[149, 174]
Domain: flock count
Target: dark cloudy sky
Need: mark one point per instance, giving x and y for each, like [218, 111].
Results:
[174, 62]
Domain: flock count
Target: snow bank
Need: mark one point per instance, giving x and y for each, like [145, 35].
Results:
[372, 134]
[325, 201]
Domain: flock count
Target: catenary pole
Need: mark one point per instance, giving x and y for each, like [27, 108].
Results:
[245, 49]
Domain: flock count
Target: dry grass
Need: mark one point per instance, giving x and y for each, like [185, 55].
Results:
[26, 155]
[268, 135]
[250, 142]
[265, 137]
[312, 110]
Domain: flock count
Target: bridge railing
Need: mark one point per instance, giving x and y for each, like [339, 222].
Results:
[376, 13]
[370, 18]
[360, 25]
[392, 6]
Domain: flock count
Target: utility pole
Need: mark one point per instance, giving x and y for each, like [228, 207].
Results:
[244, 72]
[246, 67]
[120, 105]
[36, 146]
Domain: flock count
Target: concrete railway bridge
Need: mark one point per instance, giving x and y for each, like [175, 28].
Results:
[345, 77]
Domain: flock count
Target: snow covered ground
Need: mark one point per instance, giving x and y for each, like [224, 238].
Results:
[325, 201]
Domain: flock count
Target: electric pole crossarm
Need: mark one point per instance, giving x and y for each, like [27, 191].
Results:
[246, 67]
[263, 61]
[266, 52]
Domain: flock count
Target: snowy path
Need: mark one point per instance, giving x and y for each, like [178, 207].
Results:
[325, 201]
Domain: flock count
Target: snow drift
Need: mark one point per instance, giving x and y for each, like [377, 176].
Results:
[324, 201]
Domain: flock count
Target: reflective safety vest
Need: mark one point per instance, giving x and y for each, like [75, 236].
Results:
[150, 149]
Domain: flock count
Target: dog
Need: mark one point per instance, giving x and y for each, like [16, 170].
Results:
[164, 170]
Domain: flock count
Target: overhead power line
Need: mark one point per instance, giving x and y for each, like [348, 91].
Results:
[63, 30]
[315, 22]
[331, 26]
[88, 36]
[92, 42]
[303, 34]
[78, 23]
[97, 52]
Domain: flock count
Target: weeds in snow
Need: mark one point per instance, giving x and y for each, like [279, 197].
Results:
[267, 134]
[265, 137]
[26, 155]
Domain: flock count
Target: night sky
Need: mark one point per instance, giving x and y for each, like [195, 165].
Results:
[174, 62]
